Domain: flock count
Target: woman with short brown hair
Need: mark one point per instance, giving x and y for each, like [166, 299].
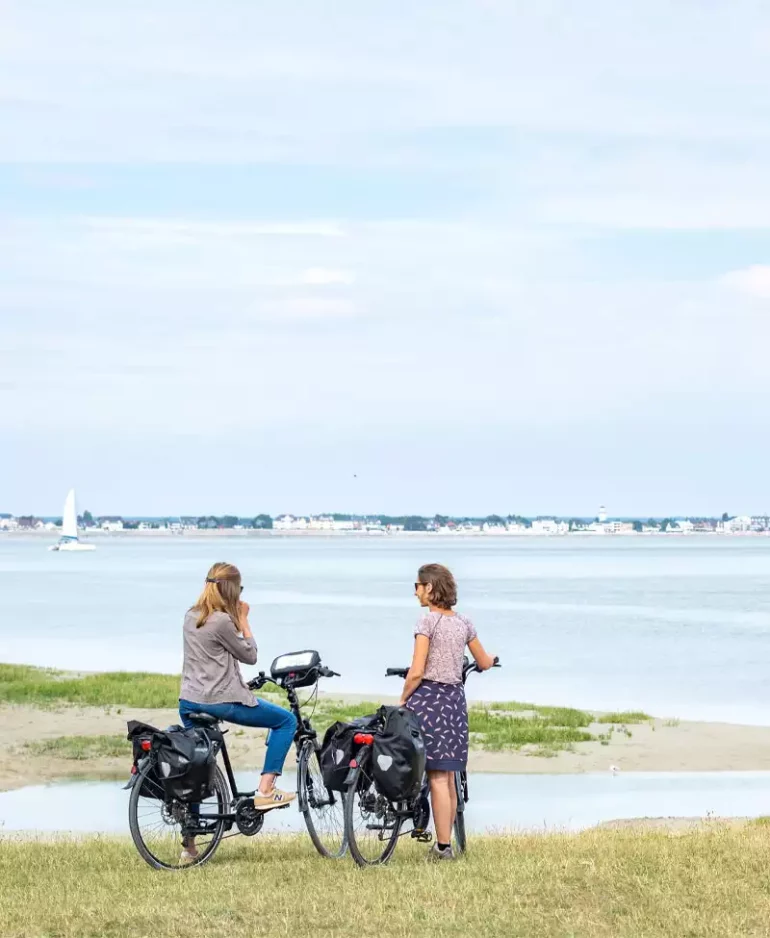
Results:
[435, 692]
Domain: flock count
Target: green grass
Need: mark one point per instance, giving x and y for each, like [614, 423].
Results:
[511, 725]
[711, 883]
[80, 748]
[501, 732]
[329, 711]
[501, 725]
[22, 684]
[625, 716]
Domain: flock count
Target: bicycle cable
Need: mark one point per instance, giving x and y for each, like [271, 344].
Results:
[314, 698]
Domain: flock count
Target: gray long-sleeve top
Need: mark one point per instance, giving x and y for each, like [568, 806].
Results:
[210, 672]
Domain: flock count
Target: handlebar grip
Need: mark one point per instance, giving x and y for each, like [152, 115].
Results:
[396, 672]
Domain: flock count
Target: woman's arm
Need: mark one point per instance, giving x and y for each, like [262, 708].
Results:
[417, 669]
[240, 643]
[482, 659]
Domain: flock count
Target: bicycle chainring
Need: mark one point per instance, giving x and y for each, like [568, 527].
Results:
[248, 820]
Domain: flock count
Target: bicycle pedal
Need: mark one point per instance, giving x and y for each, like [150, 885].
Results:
[424, 837]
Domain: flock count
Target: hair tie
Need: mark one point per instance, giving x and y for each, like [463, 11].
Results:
[211, 579]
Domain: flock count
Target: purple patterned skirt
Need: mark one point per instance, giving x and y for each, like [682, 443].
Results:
[443, 716]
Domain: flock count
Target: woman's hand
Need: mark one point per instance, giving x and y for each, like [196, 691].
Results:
[243, 613]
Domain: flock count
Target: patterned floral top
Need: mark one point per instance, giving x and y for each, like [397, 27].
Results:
[448, 637]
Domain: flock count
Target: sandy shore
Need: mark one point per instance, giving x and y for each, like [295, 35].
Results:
[655, 747]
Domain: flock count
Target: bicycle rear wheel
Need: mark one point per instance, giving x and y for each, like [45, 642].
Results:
[371, 824]
[160, 829]
[460, 841]
[322, 809]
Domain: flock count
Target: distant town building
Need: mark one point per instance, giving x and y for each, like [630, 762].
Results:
[602, 514]
[290, 523]
[549, 527]
[739, 525]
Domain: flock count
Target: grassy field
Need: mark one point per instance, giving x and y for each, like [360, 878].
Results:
[599, 883]
[23, 684]
[80, 748]
[504, 725]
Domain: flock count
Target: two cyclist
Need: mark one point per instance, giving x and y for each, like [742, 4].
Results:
[217, 636]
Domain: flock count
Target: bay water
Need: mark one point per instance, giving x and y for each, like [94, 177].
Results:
[679, 627]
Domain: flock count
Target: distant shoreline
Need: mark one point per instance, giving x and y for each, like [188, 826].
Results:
[97, 533]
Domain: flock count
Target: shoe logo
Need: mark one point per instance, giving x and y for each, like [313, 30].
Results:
[384, 762]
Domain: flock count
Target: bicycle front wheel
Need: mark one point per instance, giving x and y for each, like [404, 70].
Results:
[322, 809]
[161, 829]
[460, 841]
[371, 823]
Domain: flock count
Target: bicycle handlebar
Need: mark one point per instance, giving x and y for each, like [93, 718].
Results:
[258, 682]
[468, 667]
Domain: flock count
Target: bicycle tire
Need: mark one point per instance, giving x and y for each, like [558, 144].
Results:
[461, 841]
[309, 784]
[362, 784]
[222, 795]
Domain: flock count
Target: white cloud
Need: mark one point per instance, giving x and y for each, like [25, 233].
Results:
[322, 276]
[753, 281]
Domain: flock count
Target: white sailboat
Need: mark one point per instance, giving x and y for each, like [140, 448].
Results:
[69, 528]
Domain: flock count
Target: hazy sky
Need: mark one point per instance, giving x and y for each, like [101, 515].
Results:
[483, 256]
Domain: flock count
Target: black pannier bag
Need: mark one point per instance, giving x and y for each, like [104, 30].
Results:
[398, 759]
[185, 761]
[338, 749]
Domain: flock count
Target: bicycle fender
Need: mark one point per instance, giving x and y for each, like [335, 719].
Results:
[357, 760]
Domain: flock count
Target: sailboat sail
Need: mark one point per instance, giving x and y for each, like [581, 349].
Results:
[69, 529]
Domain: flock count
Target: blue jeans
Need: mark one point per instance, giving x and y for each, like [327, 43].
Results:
[281, 723]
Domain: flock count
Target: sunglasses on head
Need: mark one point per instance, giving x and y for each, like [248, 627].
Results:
[211, 579]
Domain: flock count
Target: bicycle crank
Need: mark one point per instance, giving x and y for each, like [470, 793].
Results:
[248, 820]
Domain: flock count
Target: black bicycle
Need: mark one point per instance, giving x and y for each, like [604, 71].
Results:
[162, 828]
[373, 824]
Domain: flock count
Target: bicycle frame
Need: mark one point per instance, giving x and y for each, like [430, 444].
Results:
[305, 733]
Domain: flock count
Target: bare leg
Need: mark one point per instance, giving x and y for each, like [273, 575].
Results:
[453, 800]
[267, 783]
[443, 803]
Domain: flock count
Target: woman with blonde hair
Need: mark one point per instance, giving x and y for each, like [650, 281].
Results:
[217, 636]
[434, 691]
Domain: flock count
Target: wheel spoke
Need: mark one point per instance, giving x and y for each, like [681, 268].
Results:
[371, 823]
[158, 827]
[322, 809]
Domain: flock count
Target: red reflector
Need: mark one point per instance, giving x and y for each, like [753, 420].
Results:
[133, 770]
[146, 745]
[352, 764]
[363, 739]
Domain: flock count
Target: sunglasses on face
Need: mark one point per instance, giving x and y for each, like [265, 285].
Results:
[417, 585]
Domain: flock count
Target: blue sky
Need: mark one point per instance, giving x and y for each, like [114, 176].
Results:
[464, 257]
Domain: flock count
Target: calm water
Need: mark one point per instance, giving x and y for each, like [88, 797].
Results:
[497, 802]
[679, 627]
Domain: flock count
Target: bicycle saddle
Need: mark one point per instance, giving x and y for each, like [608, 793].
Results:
[203, 719]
